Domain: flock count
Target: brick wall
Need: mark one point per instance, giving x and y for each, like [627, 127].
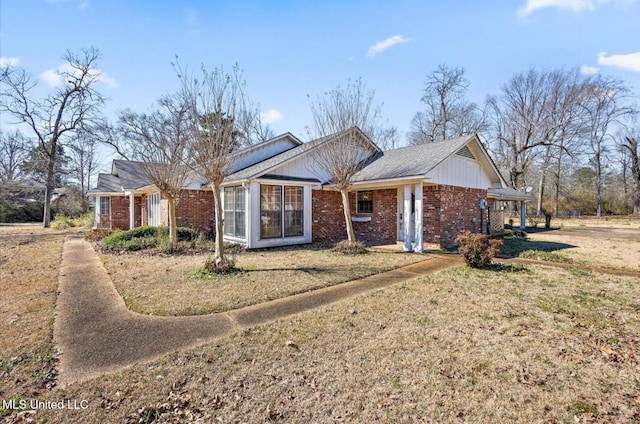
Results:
[329, 224]
[120, 212]
[449, 210]
[195, 209]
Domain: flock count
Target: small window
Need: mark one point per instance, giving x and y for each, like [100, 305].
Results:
[364, 202]
[105, 206]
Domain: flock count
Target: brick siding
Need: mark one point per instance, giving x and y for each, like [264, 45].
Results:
[329, 224]
[449, 210]
[195, 209]
[120, 212]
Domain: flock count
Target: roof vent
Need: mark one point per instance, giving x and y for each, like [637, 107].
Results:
[465, 152]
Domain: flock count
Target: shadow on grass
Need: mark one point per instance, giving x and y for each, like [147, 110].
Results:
[515, 246]
[507, 268]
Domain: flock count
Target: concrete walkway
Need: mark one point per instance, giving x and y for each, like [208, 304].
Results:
[97, 333]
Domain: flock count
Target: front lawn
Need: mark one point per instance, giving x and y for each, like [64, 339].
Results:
[170, 285]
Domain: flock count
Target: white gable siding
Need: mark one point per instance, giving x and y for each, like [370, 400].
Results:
[262, 151]
[301, 167]
[460, 171]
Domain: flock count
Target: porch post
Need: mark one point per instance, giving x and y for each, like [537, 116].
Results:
[523, 215]
[418, 216]
[96, 215]
[132, 210]
[407, 218]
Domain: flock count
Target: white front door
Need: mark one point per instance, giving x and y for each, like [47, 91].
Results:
[401, 216]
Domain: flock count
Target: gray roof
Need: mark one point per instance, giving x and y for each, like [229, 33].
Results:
[508, 193]
[130, 173]
[107, 183]
[411, 161]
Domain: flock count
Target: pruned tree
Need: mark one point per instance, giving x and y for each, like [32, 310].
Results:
[14, 151]
[447, 114]
[214, 100]
[74, 103]
[159, 142]
[345, 118]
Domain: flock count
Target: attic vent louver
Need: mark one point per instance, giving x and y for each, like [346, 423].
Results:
[465, 152]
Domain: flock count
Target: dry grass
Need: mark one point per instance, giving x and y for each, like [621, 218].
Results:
[501, 345]
[29, 261]
[167, 285]
[460, 346]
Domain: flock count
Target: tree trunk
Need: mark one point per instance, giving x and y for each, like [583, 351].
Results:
[543, 178]
[351, 235]
[173, 226]
[219, 243]
[598, 188]
[635, 171]
[50, 183]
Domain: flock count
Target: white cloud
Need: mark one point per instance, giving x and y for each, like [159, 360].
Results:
[589, 70]
[9, 61]
[572, 5]
[271, 116]
[384, 45]
[191, 15]
[53, 77]
[624, 61]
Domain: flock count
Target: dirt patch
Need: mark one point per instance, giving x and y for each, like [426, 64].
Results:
[168, 285]
[617, 248]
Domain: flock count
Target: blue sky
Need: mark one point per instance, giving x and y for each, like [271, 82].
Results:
[291, 49]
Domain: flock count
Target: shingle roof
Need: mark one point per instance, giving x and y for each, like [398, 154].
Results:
[130, 173]
[410, 161]
[107, 183]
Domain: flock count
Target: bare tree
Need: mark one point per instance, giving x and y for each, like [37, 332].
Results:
[75, 102]
[214, 100]
[603, 106]
[346, 119]
[447, 114]
[159, 142]
[84, 161]
[631, 145]
[14, 151]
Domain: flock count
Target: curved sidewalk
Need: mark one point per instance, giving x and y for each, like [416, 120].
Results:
[97, 333]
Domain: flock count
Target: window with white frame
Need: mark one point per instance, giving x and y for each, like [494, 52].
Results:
[281, 211]
[153, 209]
[234, 211]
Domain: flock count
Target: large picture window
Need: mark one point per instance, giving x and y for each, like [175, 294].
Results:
[364, 202]
[234, 211]
[274, 200]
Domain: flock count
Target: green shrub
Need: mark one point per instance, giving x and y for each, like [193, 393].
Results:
[477, 249]
[346, 248]
[147, 237]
